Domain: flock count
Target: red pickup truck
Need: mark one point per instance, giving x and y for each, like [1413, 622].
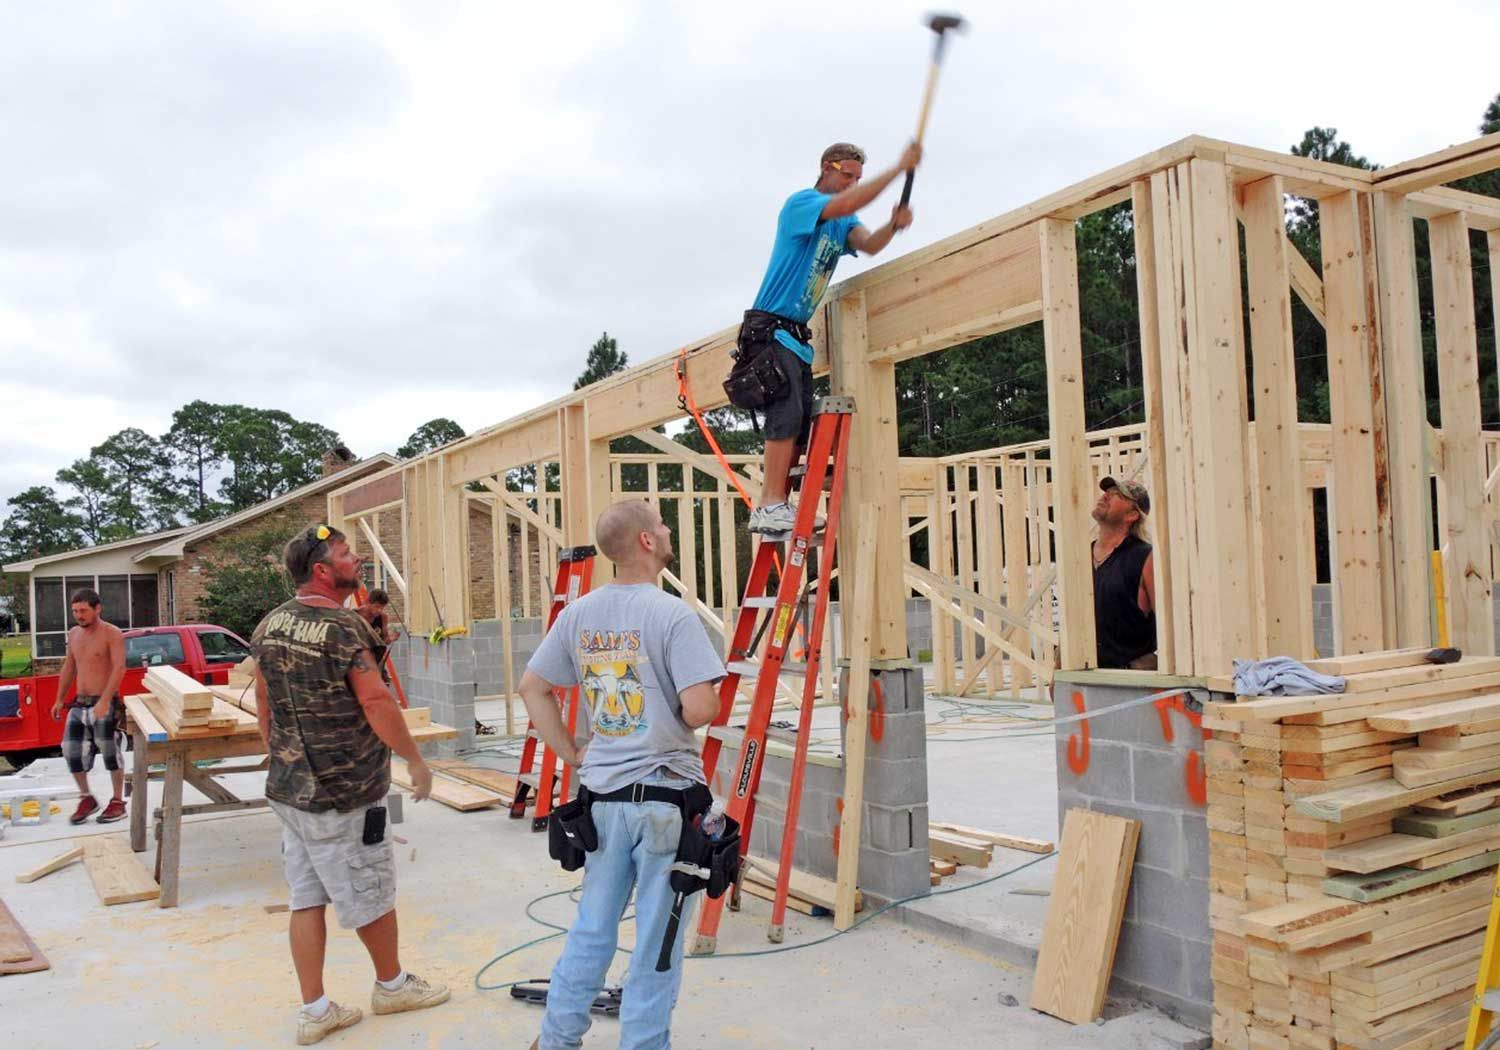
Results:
[27, 728]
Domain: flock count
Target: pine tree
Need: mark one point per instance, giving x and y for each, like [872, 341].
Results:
[605, 359]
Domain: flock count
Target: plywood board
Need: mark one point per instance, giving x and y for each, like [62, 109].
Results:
[454, 794]
[18, 952]
[117, 873]
[1083, 915]
[494, 779]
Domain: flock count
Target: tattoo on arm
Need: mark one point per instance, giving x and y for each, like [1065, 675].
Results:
[363, 662]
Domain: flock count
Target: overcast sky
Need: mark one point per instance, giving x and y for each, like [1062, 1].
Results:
[373, 214]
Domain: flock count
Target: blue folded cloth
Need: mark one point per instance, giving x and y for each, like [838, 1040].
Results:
[1282, 676]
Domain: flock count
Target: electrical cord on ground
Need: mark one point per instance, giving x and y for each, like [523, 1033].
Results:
[562, 930]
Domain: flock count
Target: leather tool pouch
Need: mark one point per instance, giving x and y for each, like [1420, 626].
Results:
[757, 377]
[571, 833]
[703, 863]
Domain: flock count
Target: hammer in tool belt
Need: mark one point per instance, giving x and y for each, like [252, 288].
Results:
[939, 24]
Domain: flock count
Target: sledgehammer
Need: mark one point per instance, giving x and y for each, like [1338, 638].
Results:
[939, 24]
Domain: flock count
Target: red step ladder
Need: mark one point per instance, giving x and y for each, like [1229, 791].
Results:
[575, 568]
[827, 457]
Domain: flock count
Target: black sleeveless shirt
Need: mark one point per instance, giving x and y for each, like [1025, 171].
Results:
[1124, 632]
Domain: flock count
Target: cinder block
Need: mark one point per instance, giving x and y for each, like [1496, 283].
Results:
[1106, 774]
[1198, 958]
[1153, 957]
[1173, 903]
[901, 736]
[1159, 778]
[892, 829]
[1195, 844]
[894, 875]
[899, 782]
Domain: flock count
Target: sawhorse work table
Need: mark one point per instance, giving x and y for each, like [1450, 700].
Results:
[180, 753]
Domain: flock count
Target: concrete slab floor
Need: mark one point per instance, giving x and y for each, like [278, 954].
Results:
[215, 971]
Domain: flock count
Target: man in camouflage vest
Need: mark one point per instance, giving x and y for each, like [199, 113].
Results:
[330, 725]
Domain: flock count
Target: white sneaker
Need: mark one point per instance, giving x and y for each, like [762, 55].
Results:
[778, 518]
[414, 994]
[312, 1029]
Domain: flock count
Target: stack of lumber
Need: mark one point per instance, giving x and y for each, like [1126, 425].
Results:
[179, 702]
[1353, 840]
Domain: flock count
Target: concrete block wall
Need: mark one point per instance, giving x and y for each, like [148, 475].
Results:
[489, 654]
[442, 677]
[1130, 768]
[893, 845]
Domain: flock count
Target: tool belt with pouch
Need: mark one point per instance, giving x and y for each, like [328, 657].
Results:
[757, 378]
[701, 862]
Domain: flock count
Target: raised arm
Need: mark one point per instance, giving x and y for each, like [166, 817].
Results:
[865, 191]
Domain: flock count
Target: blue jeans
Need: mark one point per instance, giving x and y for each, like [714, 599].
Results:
[637, 844]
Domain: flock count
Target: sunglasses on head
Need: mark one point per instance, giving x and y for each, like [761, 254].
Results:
[317, 536]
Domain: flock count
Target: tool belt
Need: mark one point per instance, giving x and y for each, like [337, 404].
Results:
[757, 377]
[701, 862]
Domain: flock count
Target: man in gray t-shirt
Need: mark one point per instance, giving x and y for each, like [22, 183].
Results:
[648, 672]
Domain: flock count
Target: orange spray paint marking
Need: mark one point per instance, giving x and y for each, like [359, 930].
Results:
[877, 710]
[1078, 754]
[1196, 779]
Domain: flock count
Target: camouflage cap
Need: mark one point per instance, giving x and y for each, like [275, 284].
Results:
[1134, 491]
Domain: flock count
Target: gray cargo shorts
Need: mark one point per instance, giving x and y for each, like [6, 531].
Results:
[326, 862]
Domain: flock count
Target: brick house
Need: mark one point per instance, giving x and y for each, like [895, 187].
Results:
[158, 579]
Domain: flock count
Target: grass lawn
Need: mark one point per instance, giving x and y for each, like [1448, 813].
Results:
[15, 655]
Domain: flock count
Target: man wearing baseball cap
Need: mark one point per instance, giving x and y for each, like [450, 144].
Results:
[1124, 584]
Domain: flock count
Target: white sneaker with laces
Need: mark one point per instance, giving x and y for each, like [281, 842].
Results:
[313, 1029]
[414, 994]
[778, 518]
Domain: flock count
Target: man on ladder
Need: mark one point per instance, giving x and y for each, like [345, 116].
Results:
[648, 671]
[816, 227]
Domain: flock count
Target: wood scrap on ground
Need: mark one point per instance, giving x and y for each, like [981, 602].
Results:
[57, 863]
[18, 952]
[813, 890]
[1349, 911]
[994, 838]
[960, 849]
[1084, 913]
[503, 784]
[117, 873]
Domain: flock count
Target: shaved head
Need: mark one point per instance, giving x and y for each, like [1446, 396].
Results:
[620, 526]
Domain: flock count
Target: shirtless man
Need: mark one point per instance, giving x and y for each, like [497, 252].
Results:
[96, 659]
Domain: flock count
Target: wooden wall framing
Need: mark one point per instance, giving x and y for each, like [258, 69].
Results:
[1229, 482]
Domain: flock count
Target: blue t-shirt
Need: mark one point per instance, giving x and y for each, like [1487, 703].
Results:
[807, 249]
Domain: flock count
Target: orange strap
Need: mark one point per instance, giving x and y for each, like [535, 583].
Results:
[685, 399]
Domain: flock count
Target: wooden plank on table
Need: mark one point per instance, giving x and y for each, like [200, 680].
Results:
[57, 863]
[1384, 796]
[429, 734]
[185, 693]
[143, 718]
[18, 952]
[809, 887]
[1083, 915]
[241, 696]
[117, 874]
[1008, 841]
[454, 794]
[1438, 715]
[1379, 885]
[417, 716]
[1441, 827]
